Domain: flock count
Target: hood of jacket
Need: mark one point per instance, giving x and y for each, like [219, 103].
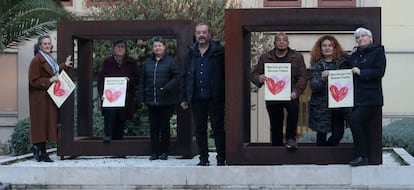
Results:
[370, 47]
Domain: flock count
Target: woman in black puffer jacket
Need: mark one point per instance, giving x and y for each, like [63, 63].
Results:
[159, 82]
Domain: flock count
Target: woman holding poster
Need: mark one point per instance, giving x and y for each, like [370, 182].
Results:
[368, 65]
[326, 55]
[158, 90]
[43, 72]
[118, 66]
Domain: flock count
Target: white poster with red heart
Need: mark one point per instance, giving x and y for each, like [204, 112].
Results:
[60, 90]
[340, 88]
[278, 83]
[114, 92]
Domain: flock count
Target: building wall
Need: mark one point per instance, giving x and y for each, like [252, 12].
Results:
[8, 97]
[398, 39]
[397, 30]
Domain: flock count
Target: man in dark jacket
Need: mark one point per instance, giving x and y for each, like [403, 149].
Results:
[283, 54]
[203, 89]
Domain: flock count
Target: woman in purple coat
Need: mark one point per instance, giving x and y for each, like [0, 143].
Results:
[119, 64]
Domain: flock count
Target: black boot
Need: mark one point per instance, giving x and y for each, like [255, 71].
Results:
[36, 151]
[359, 161]
[43, 154]
[221, 161]
[203, 162]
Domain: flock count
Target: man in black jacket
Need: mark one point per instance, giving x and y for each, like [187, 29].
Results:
[203, 89]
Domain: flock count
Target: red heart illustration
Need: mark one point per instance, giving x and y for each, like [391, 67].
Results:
[112, 96]
[338, 95]
[275, 87]
[57, 91]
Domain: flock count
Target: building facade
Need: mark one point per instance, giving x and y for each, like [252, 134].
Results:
[396, 37]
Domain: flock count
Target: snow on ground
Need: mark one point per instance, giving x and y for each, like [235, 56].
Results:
[140, 161]
[108, 161]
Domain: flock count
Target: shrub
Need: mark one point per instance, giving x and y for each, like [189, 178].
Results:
[138, 126]
[21, 138]
[399, 134]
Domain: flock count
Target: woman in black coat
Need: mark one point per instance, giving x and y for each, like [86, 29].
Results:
[327, 54]
[368, 65]
[159, 91]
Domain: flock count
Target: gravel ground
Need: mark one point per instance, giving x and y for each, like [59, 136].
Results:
[107, 161]
[140, 161]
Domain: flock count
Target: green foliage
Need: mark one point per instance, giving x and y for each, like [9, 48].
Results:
[260, 42]
[23, 19]
[20, 139]
[399, 134]
[138, 126]
[211, 11]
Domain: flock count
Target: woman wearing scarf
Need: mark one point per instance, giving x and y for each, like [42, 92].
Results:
[43, 72]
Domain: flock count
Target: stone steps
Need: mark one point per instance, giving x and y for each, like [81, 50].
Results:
[135, 173]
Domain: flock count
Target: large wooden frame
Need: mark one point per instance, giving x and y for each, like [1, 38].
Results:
[239, 24]
[84, 32]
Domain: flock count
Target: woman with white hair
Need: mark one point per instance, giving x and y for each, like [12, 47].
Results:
[368, 65]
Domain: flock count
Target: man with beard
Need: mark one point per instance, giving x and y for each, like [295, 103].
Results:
[283, 54]
[202, 90]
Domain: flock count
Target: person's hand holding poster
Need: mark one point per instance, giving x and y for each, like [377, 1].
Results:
[114, 92]
[340, 88]
[60, 90]
[277, 84]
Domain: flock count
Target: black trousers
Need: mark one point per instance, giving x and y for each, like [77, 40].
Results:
[113, 125]
[276, 116]
[201, 111]
[159, 117]
[359, 121]
[337, 130]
